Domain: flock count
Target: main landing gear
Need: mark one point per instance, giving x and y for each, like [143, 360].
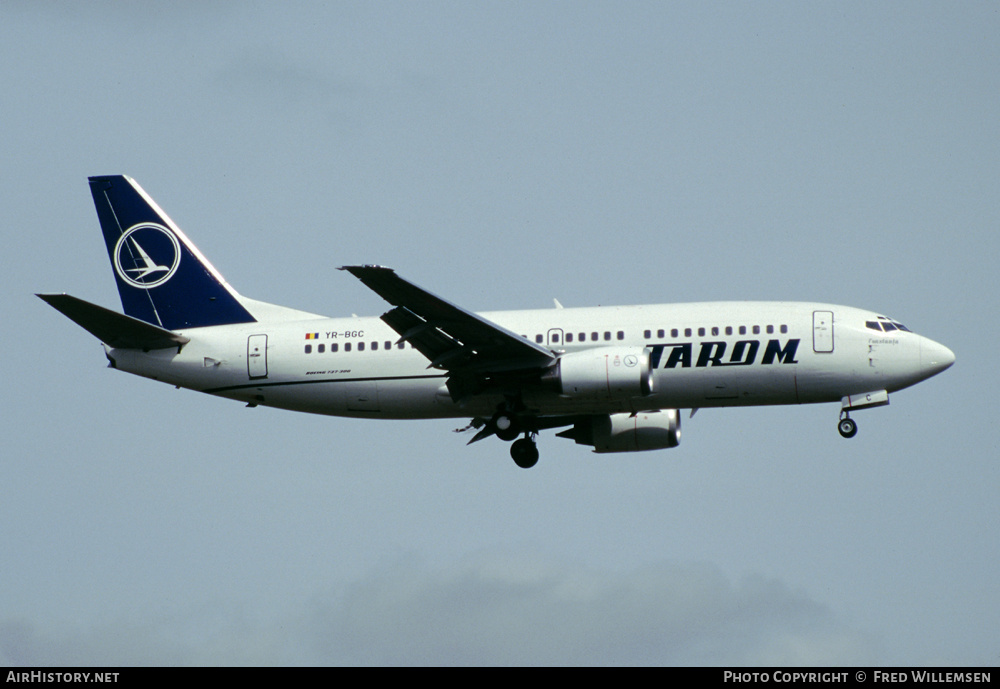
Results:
[508, 426]
[524, 452]
[505, 427]
[846, 426]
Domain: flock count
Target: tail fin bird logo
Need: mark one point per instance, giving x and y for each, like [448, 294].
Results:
[147, 255]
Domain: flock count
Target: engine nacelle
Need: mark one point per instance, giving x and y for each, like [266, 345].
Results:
[654, 430]
[604, 373]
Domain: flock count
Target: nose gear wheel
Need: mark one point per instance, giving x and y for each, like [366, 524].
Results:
[847, 427]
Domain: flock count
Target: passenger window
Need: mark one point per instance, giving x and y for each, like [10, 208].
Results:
[661, 333]
[701, 332]
[320, 349]
[607, 336]
[569, 337]
[309, 349]
[784, 329]
[687, 332]
[538, 339]
[647, 334]
[555, 338]
[347, 346]
[673, 332]
[374, 346]
[400, 345]
[756, 330]
[593, 337]
[715, 332]
[361, 346]
[729, 330]
[621, 334]
[387, 345]
[583, 337]
[743, 330]
[334, 347]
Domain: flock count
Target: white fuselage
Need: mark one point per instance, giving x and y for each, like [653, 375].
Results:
[703, 355]
[614, 378]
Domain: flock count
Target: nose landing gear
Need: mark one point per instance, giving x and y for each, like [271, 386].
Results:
[847, 427]
[865, 400]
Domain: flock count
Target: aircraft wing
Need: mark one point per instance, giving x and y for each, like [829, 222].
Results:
[452, 338]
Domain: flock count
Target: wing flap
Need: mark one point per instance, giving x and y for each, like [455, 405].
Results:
[113, 328]
[424, 337]
[452, 338]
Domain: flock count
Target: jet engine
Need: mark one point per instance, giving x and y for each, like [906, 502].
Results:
[604, 372]
[654, 430]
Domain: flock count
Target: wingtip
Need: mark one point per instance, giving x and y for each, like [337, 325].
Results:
[367, 267]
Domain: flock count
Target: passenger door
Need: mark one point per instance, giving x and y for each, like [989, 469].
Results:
[257, 356]
[823, 332]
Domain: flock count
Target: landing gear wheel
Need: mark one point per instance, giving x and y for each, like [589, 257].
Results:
[524, 452]
[505, 427]
[847, 427]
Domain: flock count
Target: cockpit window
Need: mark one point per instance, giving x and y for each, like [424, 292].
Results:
[886, 325]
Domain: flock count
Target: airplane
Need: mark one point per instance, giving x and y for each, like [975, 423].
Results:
[615, 378]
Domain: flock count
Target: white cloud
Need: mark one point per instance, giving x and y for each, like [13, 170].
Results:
[497, 609]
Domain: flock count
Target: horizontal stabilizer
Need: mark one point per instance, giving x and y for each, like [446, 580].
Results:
[113, 328]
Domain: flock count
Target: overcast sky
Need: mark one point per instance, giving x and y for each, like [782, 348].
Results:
[502, 155]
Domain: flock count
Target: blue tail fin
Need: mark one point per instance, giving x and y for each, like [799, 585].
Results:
[162, 277]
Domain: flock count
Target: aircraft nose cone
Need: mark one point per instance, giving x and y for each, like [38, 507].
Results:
[935, 357]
